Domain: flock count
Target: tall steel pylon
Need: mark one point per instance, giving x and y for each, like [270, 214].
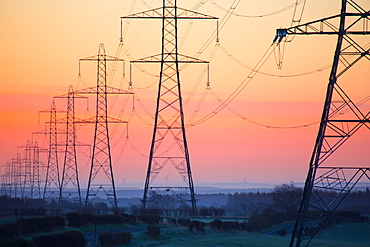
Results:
[101, 161]
[341, 118]
[27, 186]
[70, 166]
[31, 183]
[17, 180]
[52, 178]
[169, 144]
[36, 176]
[7, 178]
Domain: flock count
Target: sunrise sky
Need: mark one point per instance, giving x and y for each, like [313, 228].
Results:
[41, 42]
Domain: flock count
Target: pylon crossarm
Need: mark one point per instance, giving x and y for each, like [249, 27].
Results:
[93, 120]
[109, 90]
[157, 13]
[99, 57]
[180, 58]
[325, 26]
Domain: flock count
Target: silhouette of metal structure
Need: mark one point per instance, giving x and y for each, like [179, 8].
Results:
[341, 118]
[31, 182]
[101, 155]
[17, 176]
[169, 145]
[7, 178]
[70, 166]
[52, 178]
[12, 178]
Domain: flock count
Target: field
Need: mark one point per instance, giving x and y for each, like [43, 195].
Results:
[344, 235]
[341, 235]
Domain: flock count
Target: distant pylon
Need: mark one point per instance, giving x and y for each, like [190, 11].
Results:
[70, 169]
[341, 118]
[101, 155]
[36, 176]
[28, 183]
[17, 180]
[6, 179]
[31, 184]
[52, 180]
[169, 145]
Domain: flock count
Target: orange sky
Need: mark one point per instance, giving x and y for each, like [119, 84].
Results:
[43, 40]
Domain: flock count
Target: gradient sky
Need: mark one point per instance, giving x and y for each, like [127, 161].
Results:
[42, 41]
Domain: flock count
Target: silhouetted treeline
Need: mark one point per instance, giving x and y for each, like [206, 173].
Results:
[247, 203]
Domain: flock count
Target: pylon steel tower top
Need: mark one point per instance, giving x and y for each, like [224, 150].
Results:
[169, 144]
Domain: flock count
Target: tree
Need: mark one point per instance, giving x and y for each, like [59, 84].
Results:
[286, 198]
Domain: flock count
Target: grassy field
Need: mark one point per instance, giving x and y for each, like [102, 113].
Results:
[354, 235]
[343, 235]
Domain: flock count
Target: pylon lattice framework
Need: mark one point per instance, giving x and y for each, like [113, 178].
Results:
[52, 179]
[70, 166]
[31, 183]
[169, 127]
[101, 155]
[341, 118]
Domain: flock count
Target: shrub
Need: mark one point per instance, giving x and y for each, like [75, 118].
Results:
[282, 233]
[150, 219]
[131, 219]
[198, 225]
[122, 237]
[74, 219]
[8, 230]
[108, 219]
[17, 242]
[77, 220]
[153, 231]
[40, 224]
[108, 239]
[71, 238]
[57, 221]
[227, 225]
[183, 222]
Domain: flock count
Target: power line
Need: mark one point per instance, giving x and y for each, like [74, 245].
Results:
[260, 15]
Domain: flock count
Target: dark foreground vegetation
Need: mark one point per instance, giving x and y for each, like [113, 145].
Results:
[35, 223]
[116, 230]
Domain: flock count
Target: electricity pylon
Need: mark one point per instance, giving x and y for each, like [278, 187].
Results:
[101, 156]
[27, 186]
[52, 179]
[31, 184]
[70, 166]
[17, 181]
[169, 145]
[7, 178]
[341, 118]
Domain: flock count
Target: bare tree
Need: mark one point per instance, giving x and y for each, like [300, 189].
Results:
[286, 198]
